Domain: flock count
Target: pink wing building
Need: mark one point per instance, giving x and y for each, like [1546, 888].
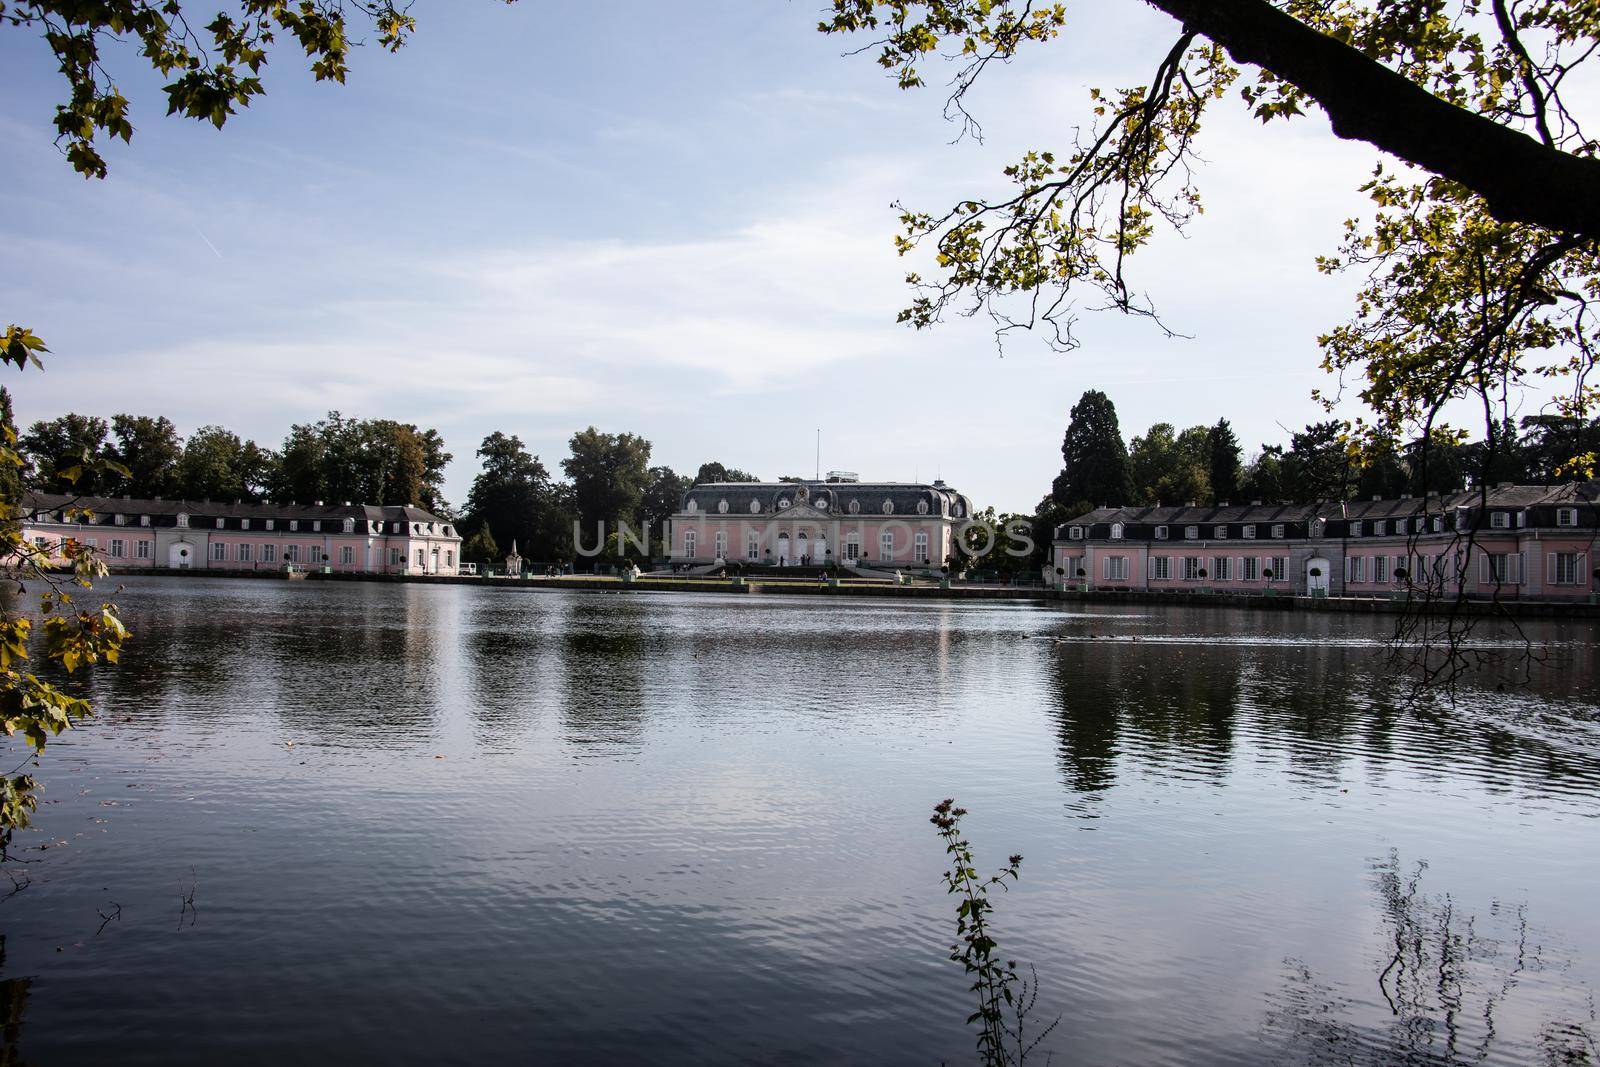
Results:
[1534, 542]
[199, 535]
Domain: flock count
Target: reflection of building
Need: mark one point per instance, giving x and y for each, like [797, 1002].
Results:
[1525, 541]
[837, 519]
[140, 535]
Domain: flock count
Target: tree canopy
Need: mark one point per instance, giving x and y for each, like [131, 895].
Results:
[1479, 261]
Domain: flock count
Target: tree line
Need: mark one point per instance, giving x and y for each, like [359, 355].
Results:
[513, 498]
[1206, 465]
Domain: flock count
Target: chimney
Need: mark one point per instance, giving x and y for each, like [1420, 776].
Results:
[1255, 503]
[1375, 496]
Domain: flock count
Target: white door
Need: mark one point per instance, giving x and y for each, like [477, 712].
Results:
[783, 550]
[180, 555]
[1317, 571]
[821, 551]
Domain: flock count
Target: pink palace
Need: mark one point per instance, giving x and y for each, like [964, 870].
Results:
[1531, 542]
[157, 535]
[837, 519]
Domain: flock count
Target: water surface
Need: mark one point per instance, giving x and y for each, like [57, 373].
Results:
[433, 824]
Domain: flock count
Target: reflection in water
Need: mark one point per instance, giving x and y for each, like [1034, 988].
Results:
[1449, 981]
[13, 1005]
[692, 830]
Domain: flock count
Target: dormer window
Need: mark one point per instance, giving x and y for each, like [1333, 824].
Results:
[1499, 520]
[722, 507]
[922, 508]
[1221, 533]
[888, 507]
[144, 520]
[1277, 530]
[1355, 528]
[449, 532]
[1566, 516]
[1250, 533]
[1161, 533]
[269, 523]
[119, 520]
[755, 507]
[219, 524]
[1116, 531]
[183, 520]
[1075, 533]
[1191, 533]
[294, 524]
[244, 524]
[692, 506]
[316, 525]
[1438, 523]
[855, 507]
[349, 526]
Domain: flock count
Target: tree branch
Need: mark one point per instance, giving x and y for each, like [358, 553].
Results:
[1519, 179]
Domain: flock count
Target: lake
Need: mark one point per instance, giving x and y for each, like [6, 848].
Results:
[445, 824]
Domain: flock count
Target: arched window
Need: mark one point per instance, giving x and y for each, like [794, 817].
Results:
[855, 507]
[755, 507]
[183, 520]
[722, 507]
[349, 526]
[1116, 531]
[921, 550]
[922, 507]
[886, 546]
[888, 507]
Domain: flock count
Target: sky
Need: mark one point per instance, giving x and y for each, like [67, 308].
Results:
[671, 219]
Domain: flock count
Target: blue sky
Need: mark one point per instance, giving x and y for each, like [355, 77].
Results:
[670, 219]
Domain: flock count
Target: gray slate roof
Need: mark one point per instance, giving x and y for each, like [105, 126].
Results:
[833, 497]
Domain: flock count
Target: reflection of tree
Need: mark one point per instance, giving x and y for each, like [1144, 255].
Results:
[1447, 979]
[604, 659]
[13, 1004]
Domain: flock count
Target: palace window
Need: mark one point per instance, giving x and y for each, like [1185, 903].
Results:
[888, 507]
[852, 547]
[1566, 516]
[1280, 568]
[144, 520]
[886, 546]
[141, 549]
[1116, 568]
[1075, 533]
[316, 525]
[245, 553]
[922, 508]
[119, 548]
[1380, 569]
[91, 542]
[449, 558]
[1355, 528]
[42, 544]
[1499, 520]
[1252, 569]
[920, 550]
[1161, 567]
[1438, 523]
[1564, 568]
[294, 525]
[691, 506]
[347, 555]
[314, 554]
[1380, 527]
[292, 553]
[396, 556]
[219, 552]
[244, 524]
[119, 520]
[1221, 533]
[1161, 533]
[1355, 568]
[349, 526]
[269, 553]
[1116, 531]
[752, 547]
[219, 524]
[422, 559]
[1502, 568]
[721, 543]
[1191, 568]
[270, 523]
[1249, 533]
[722, 507]
[688, 543]
[1191, 533]
[1222, 568]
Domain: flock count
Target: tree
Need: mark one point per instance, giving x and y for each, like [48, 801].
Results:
[10, 475]
[61, 444]
[1480, 260]
[1263, 478]
[716, 472]
[217, 465]
[608, 473]
[1170, 468]
[373, 461]
[1382, 472]
[513, 494]
[1223, 453]
[663, 496]
[1096, 459]
[481, 548]
[1317, 467]
[149, 446]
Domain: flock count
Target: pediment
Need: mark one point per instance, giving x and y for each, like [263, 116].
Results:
[803, 511]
